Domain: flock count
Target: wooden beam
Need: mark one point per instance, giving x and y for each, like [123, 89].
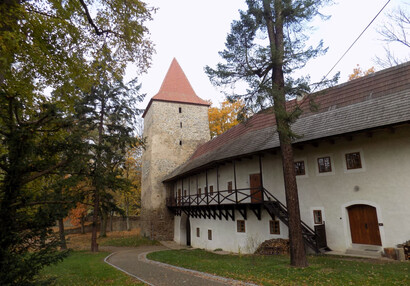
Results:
[260, 171]
[242, 211]
[231, 214]
[213, 212]
[257, 211]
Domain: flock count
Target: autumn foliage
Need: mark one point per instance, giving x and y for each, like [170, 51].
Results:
[223, 118]
[78, 214]
[358, 72]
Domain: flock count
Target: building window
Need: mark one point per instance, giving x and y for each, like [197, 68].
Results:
[198, 233]
[240, 226]
[317, 217]
[180, 110]
[211, 190]
[324, 164]
[300, 168]
[209, 234]
[230, 187]
[199, 192]
[274, 227]
[180, 124]
[180, 142]
[206, 191]
[353, 161]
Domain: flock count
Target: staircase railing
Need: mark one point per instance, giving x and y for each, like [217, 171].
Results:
[275, 207]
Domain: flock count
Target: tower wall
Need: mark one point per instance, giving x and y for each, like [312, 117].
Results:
[173, 132]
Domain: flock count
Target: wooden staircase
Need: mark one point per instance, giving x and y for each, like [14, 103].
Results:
[276, 209]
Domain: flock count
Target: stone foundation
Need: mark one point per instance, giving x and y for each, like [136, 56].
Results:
[157, 224]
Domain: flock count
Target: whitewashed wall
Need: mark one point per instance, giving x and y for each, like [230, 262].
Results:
[383, 182]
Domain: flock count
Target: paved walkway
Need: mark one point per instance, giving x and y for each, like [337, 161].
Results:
[134, 263]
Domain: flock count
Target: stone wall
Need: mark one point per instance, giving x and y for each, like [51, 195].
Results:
[173, 132]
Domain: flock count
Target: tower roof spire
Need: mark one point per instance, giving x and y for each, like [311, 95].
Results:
[176, 88]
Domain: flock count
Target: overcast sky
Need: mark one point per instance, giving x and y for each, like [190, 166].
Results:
[195, 31]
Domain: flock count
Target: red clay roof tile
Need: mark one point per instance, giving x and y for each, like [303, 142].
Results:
[176, 88]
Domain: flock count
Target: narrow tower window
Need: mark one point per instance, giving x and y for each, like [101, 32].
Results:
[180, 124]
[180, 110]
[180, 142]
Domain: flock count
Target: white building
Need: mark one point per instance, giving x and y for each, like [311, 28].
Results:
[353, 166]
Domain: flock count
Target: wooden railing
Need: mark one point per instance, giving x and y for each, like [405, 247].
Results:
[238, 196]
[247, 196]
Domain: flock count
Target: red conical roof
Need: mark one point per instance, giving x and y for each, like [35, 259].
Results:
[176, 88]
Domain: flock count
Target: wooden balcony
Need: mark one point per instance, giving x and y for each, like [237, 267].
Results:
[223, 204]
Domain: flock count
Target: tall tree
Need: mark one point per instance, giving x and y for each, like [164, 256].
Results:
[263, 49]
[51, 44]
[108, 113]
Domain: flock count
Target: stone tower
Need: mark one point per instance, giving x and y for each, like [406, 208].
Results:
[175, 123]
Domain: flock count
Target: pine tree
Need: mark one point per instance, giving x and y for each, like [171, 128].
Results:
[263, 49]
[107, 113]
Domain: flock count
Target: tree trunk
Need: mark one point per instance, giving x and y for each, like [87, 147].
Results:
[127, 218]
[98, 175]
[61, 234]
[103, 228]
[94, 244]
[275, 32]
[111, 219]
[82, 220]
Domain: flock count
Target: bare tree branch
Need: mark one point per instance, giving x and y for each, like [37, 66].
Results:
[98, 31]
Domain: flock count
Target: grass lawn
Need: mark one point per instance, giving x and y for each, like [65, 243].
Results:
[275, 270]
[85, 268]
[82, 267]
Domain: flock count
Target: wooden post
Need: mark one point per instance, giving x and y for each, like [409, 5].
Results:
[261, 176]
[182, 190]
[217, 183]
[207, 191]
[234, 178]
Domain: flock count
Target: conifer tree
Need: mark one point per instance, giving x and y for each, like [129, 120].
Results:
[263, 49]
[107, 113]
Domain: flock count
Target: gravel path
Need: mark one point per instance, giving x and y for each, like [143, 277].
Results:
[134, 263]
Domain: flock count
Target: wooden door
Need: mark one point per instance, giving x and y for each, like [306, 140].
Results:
[364, 225]
[255, 185]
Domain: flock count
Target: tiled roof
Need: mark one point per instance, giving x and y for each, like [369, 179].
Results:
[377, 100]
[176, 88]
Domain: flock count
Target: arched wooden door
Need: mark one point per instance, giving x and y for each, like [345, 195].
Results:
[364, 226]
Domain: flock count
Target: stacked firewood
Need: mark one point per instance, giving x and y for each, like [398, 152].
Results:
[277, 246]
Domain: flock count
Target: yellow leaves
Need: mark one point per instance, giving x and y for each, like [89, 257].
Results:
[224, 118]
[358, 72]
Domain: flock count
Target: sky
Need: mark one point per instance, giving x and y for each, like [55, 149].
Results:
[195, 31]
